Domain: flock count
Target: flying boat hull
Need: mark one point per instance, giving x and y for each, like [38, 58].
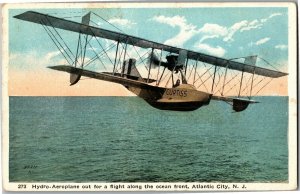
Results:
[182, 98]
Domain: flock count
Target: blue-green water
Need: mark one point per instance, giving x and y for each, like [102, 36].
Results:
[107, 139]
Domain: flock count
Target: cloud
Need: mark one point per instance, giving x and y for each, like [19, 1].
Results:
[92, 48]
[227, 33]
[259, 42]
[186, 31]
[281, 46]
[262, 41]
[171, 21]
[270, 16]
[49, 56]
[255, 24]
[275, 14]
[210, 31]
[213, 29]
[217, 51]
[246, 25]
[233, 29]
[35, 59]
[122, 22]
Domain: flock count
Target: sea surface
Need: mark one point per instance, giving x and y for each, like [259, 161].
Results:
[123, 139]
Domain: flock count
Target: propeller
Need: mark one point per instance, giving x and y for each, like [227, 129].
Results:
[170, 64]
[154, 61]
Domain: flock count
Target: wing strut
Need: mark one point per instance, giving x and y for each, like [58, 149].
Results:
[239, 104]
[195, 72]
[124, 58]
[159, 64]
[241, 83]
[75, 77]
[56, 43]
[252, 79]
[212, 87]
[150, 65]
[116, 56]
[222, 93]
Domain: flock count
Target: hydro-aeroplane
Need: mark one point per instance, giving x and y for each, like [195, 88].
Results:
[181, 94]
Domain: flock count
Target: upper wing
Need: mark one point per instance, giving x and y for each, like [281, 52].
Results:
[91, 30]
[143, 43]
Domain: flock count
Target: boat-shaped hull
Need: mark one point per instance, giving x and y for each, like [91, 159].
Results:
[182, 98]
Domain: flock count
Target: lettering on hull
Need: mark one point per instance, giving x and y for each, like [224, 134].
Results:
[176, 92]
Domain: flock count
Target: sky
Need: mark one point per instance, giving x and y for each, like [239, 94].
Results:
[229, 32]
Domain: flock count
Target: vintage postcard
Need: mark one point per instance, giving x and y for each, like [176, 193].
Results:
[149, 96]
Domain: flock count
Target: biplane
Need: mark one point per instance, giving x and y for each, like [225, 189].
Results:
[158, 86]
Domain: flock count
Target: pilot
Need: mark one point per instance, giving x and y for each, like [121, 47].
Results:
[177, 83]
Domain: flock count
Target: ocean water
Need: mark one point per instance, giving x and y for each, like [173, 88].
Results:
[112, 139]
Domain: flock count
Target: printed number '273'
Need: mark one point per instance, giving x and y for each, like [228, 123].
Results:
[21, 186]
